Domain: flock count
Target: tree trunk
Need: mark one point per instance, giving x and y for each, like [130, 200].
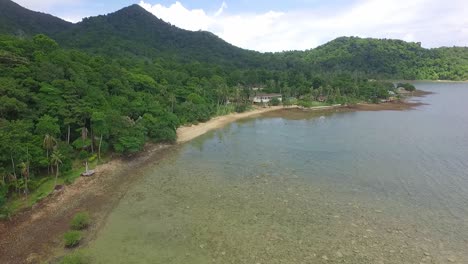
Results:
[26, 191]
[92, 141]
[99, 148]
[56, 174]
[48, 162]
[68, 135]
[26, 176]
[14, 172]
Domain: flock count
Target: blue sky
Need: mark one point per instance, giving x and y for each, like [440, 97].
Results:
[81, 8]
[295, 24]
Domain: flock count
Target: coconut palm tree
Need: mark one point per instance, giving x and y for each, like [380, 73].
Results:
[48, 143]
[172, 99]
[25, 172]
[56, 159]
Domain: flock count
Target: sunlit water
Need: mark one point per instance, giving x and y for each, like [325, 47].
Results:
[301, 187]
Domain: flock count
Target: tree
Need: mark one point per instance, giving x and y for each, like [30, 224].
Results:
[44, 43]
[48, 127]
[99, 123]
[25, 173]
[172, 100]
[48, 143]
[275, 101]
[56, 159]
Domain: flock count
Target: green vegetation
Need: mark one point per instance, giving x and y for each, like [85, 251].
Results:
[80, 221]
[388, 59]
[275, 101]
[408, 86]
[75, 258]
[72, 238]
[109, 84]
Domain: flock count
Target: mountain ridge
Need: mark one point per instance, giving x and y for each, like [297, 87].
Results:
[134, 32]
[17, 20]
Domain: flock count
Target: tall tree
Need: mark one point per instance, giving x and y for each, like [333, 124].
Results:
[57, 160]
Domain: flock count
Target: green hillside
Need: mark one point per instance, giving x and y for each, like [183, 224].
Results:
[20, 21]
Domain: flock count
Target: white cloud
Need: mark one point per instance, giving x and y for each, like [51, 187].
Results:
[433, 22]
[178, 15]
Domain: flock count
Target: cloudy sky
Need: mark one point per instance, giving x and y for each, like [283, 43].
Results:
[294, 24]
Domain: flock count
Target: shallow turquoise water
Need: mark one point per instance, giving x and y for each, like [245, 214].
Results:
[301, 187]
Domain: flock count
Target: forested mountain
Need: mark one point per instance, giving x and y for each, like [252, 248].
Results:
[134, 32]
[131, 31]
[20, 21]
[388, 58]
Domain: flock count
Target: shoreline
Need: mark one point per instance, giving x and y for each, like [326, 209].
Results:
[187, 133]
[35, 234]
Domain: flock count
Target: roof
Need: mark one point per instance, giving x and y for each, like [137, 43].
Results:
[269, 95]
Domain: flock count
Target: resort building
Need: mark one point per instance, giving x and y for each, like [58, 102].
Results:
[265, 98]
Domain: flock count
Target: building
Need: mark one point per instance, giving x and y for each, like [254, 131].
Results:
[265, 98]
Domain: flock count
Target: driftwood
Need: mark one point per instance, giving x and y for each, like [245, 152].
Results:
[88, 172]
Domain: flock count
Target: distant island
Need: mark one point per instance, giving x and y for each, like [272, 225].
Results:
[71, 95]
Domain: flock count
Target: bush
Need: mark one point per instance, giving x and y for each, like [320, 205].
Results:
[92, 158]
[3, 195]
[80, 221]
[304, 103]
[72, 238]
[68, 180]
[4, 210]
[240, 108]
[275, 101]
[408, 86]
[75, 258]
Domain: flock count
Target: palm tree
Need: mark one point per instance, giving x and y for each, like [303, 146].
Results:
[25, 172]
[172, 99]
[49, 143]
[56, 159]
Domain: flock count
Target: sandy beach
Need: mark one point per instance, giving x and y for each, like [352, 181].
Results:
[187, 133]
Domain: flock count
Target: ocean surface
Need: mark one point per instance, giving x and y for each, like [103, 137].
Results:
[306, 187]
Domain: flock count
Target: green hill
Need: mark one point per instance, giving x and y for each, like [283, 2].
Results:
[388, 58]
[134, 32]
[17, 20]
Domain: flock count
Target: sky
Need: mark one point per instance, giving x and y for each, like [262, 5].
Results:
[266, 26]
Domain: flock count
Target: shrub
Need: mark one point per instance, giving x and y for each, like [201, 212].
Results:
[80, 221]
[68, 181]
[92, 158]
[240, 108]
[3, 195]
[72, 238]
[75, 258]
[275, 101]
[304, 103]
[408, 86]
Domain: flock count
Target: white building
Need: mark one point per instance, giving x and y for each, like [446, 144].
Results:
[265, 98]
